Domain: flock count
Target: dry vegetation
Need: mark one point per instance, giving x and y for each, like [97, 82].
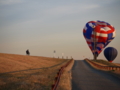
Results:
[65, 81]
[20, 72]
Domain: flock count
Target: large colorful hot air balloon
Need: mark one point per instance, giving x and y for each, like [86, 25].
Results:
[110, 53]
[98, 35]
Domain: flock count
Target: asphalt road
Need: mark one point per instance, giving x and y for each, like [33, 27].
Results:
[84, 77]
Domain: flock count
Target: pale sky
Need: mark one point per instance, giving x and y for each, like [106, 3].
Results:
[43, 26]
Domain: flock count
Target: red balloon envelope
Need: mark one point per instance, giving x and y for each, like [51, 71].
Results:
[99, 34]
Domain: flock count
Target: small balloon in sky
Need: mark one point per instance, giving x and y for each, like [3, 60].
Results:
[110, 53]
[98, 34]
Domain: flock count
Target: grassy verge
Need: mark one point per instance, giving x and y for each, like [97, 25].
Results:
[65, 81]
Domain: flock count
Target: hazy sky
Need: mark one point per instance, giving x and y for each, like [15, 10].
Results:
[43, 26]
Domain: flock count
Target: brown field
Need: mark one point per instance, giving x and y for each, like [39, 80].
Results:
[21, 72]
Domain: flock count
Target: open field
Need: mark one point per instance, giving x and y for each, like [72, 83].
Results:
[21, 72]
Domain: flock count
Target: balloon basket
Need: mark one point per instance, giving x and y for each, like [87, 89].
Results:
[110, 61]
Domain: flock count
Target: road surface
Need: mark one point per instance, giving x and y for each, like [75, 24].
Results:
[84, 77]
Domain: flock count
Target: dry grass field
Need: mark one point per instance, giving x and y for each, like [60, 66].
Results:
[22, 72]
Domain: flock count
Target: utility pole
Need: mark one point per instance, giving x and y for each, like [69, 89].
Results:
[62, 55]
[54, 53]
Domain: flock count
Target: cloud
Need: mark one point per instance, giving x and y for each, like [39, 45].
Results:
[9, 2]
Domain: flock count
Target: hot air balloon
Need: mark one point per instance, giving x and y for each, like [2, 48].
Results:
[98, 35]
[110, 53]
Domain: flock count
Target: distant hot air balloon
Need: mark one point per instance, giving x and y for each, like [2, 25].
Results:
[98, 35]
[110, 53]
